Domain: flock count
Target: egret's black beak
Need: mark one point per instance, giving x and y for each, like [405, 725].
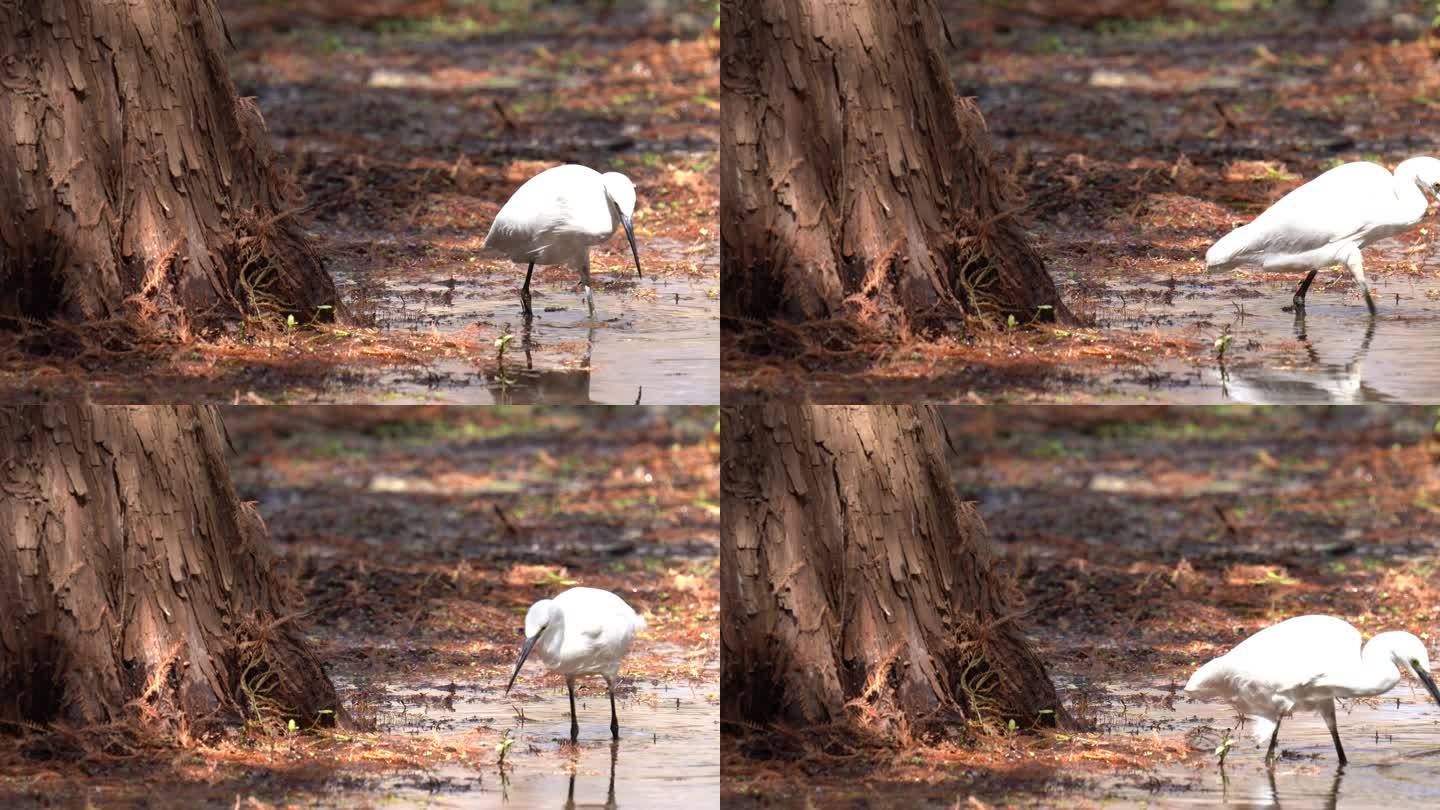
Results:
[630, 234]
[525, 653]
[1429, 684]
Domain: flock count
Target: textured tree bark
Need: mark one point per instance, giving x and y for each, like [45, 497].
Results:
[857, 587]
[856, 185]
[134, 184]
[134, 584]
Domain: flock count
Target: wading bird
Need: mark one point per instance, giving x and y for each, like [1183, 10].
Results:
[1304, 664]
[556, 216]
[583, 631]
[1329, 219]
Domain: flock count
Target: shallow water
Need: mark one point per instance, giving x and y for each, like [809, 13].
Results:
[668, 754]
[1333, 352]
[653, 340]
[1392, 742]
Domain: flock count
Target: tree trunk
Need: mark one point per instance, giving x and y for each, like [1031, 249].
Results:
[134, 584]
[858, 588]
[134, 184]
[856, 185]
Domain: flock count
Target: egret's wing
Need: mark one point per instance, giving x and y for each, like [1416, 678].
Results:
[1339, 205]
[527, 221]
[590, 626]
[597, 622]
[586, 213]
[509, 236]
[1295, 653]
[549, 208]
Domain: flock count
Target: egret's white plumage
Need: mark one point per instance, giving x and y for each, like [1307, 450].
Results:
[1303, 664]
[1329, 219]
[556, 216]
[583, 631]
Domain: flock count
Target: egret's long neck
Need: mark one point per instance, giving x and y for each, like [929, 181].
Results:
[1407, 190]
[1378, 673]
[553, 638]
[614, 214]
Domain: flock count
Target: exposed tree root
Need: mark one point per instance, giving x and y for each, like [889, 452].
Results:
[86, 345]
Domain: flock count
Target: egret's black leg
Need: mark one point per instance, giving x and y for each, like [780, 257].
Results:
[1304, 288]
[614, 718]
[1369, 302]
[1329, 714]
[574, 723]
[525, 290]
[1274, 739]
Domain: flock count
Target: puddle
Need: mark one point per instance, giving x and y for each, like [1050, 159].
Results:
[668, 754]
[655, 341]
[1393, 744]
[1333, 353]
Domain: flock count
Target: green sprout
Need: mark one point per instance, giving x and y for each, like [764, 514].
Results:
[1224, 747]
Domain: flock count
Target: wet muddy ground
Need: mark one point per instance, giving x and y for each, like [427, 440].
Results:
[1143, 542]
[405, 125]
[1137, 143]
[1333, 352]
[667, 754]
[654, 341]
[417, 538]
[1391, 742]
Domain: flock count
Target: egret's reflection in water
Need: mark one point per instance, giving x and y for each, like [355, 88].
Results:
[1393, 743]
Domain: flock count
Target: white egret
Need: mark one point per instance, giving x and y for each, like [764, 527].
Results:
[583, 631]
[1329, 219]
[1303, 664]
[556, 216]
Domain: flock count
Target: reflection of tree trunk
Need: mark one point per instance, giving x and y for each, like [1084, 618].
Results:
[856, 184]
[134, 184]
[857, 586]
[133, 581]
